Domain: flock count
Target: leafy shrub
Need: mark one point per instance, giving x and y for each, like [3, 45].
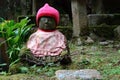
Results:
[15, 35]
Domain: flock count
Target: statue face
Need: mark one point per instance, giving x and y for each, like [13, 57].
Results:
[47, 23]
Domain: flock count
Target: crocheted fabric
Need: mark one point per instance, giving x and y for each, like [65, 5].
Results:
[43, 43]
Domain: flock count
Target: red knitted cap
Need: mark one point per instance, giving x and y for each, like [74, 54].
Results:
[47, 10]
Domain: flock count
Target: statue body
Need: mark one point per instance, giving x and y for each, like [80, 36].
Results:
[46, 44]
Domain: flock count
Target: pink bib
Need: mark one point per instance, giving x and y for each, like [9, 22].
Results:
[43, 43]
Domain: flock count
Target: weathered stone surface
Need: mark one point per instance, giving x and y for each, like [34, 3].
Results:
[107, 42]
[103, 31]
[83, 74]
[79, 14]
[109, 19]
[117, 32]
[95, 37]
[89, 40]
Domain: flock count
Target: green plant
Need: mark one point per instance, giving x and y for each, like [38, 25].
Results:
[15, 35]
[3, 73]
[24, 69]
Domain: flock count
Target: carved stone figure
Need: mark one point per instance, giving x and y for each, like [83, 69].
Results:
[47, 44]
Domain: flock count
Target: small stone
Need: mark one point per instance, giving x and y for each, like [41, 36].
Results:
[117, 32]
[89, 40]
[79, 42]
[104, 43]
[83, 74]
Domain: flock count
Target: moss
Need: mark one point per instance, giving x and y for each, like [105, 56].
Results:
[103, 30]
[110, 19]
[15, 68]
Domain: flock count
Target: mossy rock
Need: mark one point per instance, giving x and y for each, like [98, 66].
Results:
[103, 30]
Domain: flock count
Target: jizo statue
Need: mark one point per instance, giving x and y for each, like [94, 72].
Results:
[47, 44]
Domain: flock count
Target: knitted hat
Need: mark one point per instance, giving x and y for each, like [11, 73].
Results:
[47, 10]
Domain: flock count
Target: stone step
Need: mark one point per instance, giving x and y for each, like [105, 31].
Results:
[83, 74]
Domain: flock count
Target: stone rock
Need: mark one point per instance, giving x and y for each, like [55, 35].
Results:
[83, 74]
[89, 40]
[107, 42]
[79, 42]
[104, 43]
[110, 19]
[95, 37]
[117, 32]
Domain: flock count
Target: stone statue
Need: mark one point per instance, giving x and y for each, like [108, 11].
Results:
[47, 44]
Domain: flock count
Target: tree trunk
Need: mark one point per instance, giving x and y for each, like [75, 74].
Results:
[33, 7]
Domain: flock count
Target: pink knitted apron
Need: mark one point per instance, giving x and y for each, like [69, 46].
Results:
[43, 43]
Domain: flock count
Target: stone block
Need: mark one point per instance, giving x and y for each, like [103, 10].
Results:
[109, 19]
[83, 74]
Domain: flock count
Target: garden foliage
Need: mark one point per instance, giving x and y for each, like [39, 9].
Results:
[15, 35]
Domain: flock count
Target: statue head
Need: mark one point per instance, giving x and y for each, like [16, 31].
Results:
[47, 17]
[47, 23]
